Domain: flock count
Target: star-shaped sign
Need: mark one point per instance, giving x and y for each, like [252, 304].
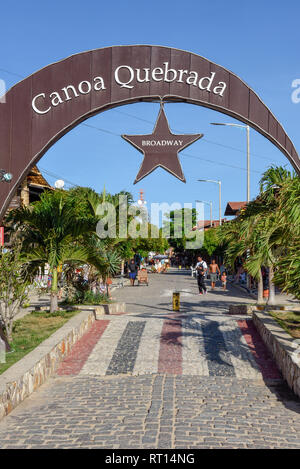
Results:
[161, 148]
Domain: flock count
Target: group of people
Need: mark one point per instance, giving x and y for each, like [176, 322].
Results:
[201, 271]
[135, 264]
[160, 266]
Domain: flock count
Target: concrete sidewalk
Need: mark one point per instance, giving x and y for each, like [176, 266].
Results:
[43, 300]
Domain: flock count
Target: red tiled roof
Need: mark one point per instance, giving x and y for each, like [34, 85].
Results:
[206, 224]
[232, 208]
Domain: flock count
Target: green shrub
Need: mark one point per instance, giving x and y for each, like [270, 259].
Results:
[88, 298]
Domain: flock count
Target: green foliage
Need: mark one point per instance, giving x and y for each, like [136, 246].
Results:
[267, 232]
[289, 321]
[31, 330]
[287, 275]
[88, 298]
[211, 243]
[177, 228]
[13, 288]
[50, 230]
[155, 242]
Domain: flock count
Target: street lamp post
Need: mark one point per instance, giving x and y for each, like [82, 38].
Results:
[216, 182]
[248, 151]
[208, 203]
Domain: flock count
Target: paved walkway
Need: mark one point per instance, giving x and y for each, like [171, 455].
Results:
[152, 378]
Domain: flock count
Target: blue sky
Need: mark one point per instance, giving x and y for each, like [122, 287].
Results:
[258, 41]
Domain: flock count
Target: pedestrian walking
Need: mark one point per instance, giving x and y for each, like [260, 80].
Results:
[224, 279]
[213, 272]
[201, 269]
[108, 285]
[133, 270]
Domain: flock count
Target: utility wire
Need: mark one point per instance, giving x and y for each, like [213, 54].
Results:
[183, 153]
[11, 73]
[57, 176]
[203, 139]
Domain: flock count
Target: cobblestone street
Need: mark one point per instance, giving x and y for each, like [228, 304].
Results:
[152, 378]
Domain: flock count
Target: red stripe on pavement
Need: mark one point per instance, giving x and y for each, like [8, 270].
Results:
[80, 352]
[170, 352]
[260, 352]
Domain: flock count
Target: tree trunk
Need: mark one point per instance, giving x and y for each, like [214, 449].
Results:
[272, 298]
[4, 338]
[260, 288]
[9, 332]
[53, 297]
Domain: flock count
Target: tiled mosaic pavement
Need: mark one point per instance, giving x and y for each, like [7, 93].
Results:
[157, 379]
[174, 344]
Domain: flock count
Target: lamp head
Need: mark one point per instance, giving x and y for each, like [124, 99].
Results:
[7, 177]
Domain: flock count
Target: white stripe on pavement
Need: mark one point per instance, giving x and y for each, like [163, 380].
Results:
[148, 353]
[193, 356]
[103, 351]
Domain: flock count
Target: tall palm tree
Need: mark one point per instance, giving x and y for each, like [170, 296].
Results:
[241, 238]
[259, 230]
[273, 182]
[50, 230]
[287, 275]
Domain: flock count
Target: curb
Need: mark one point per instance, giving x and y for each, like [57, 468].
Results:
[241, 309]
[284, 349]
[25, 376]
[105, 309]
[244, 290]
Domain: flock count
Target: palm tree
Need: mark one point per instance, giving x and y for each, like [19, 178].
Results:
[110, 251]
[287, 275]
[50, 231]
[241, 238]
[272, 183]
[269, 227]
[262, 252]
[258, 231]
[274, 178]
[105, 262]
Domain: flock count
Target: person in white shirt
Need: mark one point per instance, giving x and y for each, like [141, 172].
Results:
[201, 269]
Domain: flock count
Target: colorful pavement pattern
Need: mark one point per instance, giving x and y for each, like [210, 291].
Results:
[152, 378]
[173, 345]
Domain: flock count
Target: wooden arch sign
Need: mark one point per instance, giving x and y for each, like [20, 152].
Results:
[43, 107]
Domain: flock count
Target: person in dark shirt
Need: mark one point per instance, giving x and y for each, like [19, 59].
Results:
[201, 268]
[137, 259]
[133, 269]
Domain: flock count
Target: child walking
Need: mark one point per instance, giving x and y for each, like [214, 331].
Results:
[224, 279]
